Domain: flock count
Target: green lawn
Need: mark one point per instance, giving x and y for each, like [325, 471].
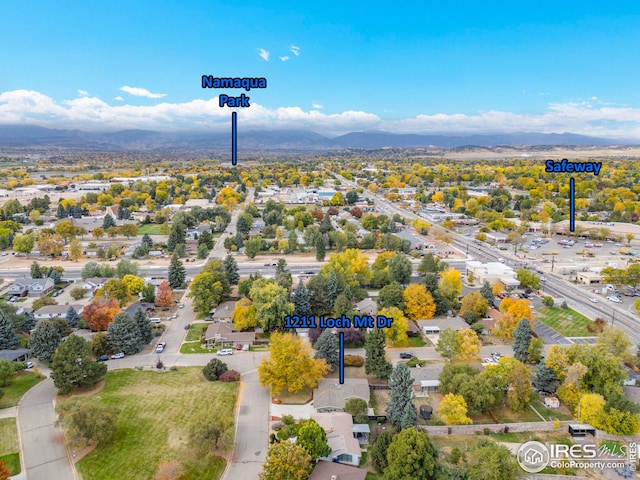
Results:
[157, 411]
[21, 383]
[150, 228]
[417, 341]
[195, 332]
[196, 347]
[9, 447]
[558, 319]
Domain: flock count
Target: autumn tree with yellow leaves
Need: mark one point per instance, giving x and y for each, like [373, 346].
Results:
[418, 302]
[290, 367]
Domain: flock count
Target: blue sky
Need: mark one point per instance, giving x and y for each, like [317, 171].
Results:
[424, 66]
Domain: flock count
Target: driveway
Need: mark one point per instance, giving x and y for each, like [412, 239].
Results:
[252, 430]
[45, 457]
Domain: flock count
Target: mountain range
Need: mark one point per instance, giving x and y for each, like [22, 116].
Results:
[27, 136]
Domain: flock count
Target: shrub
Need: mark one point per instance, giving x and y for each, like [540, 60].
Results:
[288, 420]
[547, 301]
[229, 376]
[353, 361]
[415, 362]
[214, 369]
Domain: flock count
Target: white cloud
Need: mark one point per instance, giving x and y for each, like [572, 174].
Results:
[118, 98]
[83, 93]
[91, 113]
[295, 50]
[284, 59]
[141, 92]
[264, 54]
[317, 106]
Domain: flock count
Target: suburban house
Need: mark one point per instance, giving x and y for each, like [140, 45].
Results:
[53, 311]
[94, 283]
[426, 379]
[32, 287]
[336, 471]
[437, 325]
[331, 396]
[367, 306]
[223, 335]
[339, 428]
[17, 355]
[223, 311]
[489, 323]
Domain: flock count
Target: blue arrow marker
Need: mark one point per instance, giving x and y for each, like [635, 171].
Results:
[234, 138]
[341, 337]
[572, 204]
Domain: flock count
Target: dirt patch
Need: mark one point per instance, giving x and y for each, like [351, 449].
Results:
[81, 392]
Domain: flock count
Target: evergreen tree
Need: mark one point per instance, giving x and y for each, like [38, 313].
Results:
[487, 292]
[379, 450]
[72, 317]
[206, 239]
[411, 455]
[8, 337]
[375, 359]
[177, 236]
[148, 293]
[317, 287]
[36, 270]
[44, 339]
[177, 273]
[333, 289]
[409, 416]
[73, 366]
[145, 331]
[54, 275]
[326, 225]
[239, 240]
[61, 212]
[147, 243]
[401, 393]
[327, 347]
[108, 222]
[123, 334]
[28, 322]
[231, 269]
[292, 241]
[320, 249]
[302, 300]
[283, 276]
[522, 339]
[546, 379]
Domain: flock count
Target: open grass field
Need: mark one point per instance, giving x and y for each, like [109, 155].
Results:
[565, 321]
[9, 447]
[150, 228]
[196, 347]
[21, 383]
[196, 331]
[157, 411]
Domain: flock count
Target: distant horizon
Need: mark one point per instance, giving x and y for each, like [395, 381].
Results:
[331, 68]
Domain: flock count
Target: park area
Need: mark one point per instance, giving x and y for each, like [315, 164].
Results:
[565, 321]
[158, 413]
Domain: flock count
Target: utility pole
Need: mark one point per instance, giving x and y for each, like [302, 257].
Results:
[613, 316]
[553, 261]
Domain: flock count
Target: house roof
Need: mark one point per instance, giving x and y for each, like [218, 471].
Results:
[57, 309]
[224, 310]
[13, 355]
[456, 323]
[337, 471]
[425, 374]
[367, 306]
[331, 394]
[224, 331]
[96, 280]
[338, 426]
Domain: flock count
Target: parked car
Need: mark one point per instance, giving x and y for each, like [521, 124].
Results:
[102, 358]
[406, 355]
[614, 299]
[208, 319]
[29, 364]
[118, 355]
[225, 351]
[160, 347]
[181, 305]
[187, 326]
[154, 320]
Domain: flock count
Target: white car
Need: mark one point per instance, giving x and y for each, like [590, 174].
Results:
[160, 347]
[225, 351]
[115, 356]
[613, 299]
[593, 300]
[181, 305]
[501, 260]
